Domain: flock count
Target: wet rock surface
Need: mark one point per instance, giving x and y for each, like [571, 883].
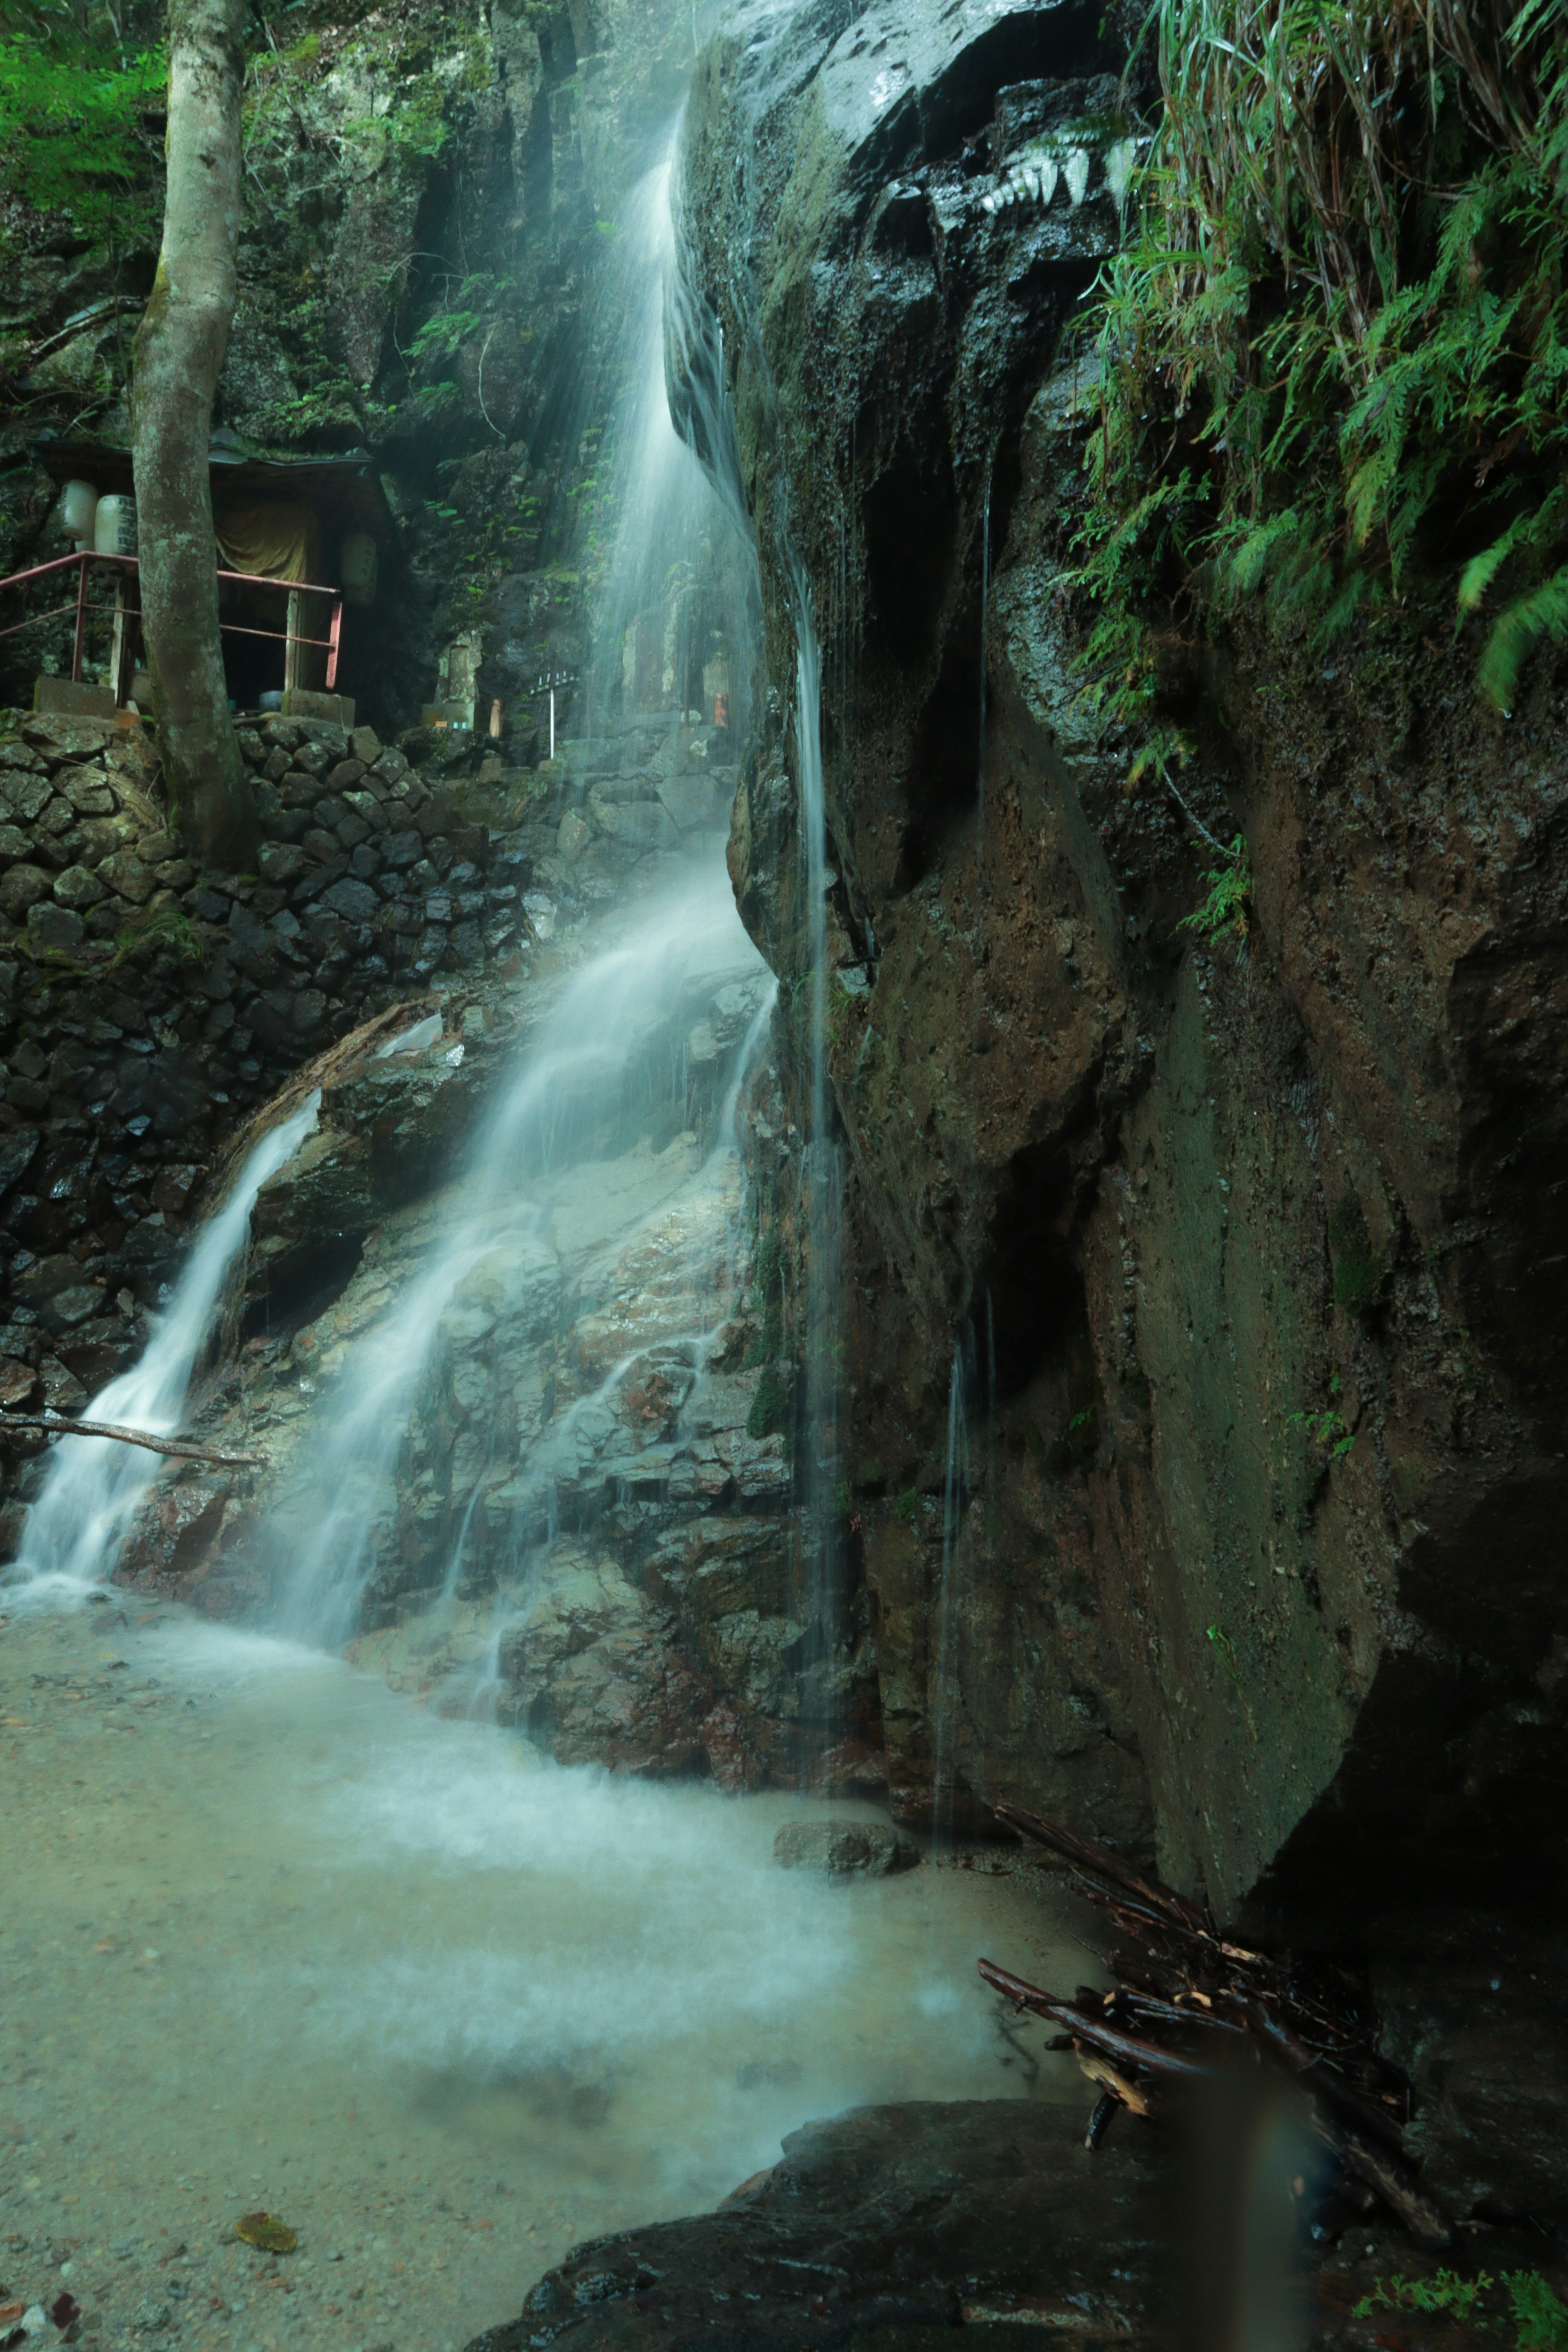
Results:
[845, 1849]
[900, 2225]
[895, 2224]
[584, 1464]
[1223, 1248]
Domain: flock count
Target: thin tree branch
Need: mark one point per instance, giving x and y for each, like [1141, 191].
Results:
[179, 1446]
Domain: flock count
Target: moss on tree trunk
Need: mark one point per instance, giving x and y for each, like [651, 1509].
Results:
[178, 352]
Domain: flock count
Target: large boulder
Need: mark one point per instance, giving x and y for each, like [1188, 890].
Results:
[894, 2226]
[1201, 1295]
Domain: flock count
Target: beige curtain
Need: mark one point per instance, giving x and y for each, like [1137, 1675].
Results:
[273, 538]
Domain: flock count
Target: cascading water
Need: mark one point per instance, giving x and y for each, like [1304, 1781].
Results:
[955, 1496]
[984, 617]
[94, 1485]
[488, 1988]
[822, 1188]
[330, 1534]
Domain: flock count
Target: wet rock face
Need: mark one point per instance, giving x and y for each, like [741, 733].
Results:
[586, 1528]
[845, 1849]
[903, 2225]
[1200, 1296]
[908, 2220]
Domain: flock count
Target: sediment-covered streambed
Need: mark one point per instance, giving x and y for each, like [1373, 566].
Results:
[287, 1942]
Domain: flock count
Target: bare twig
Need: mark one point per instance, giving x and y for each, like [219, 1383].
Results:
[60, 1426]
[1187, 1989]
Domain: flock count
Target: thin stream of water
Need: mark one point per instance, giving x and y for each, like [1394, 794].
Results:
[822, 1184]
[95, 1486]
[955, 1499]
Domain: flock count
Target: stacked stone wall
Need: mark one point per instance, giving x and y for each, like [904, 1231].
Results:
[146, 1006]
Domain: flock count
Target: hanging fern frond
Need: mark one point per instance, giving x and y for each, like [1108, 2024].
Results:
[1516, 632]
[1333, 349]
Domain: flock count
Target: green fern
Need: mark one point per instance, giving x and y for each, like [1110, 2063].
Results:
[1540, 613]
[1225, 910]
[1540, 2317]
[1333, 352]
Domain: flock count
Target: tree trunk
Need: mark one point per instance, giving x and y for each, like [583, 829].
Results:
[178, 351]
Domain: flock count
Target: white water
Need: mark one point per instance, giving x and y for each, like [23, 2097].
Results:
[290, 1942]
[94, 1485]
[822, 1184]
[956, 1495]
[325, 1541]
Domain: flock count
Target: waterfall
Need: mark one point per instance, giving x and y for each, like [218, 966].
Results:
[591, 1058]
[333, 1527]
[955, 1492]
[94, 1485]
[822, 1189]
[984, 608]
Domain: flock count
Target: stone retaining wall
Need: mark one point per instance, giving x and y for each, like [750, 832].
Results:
[146, 1008]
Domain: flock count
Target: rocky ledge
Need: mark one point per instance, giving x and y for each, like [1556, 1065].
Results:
[900, 2226]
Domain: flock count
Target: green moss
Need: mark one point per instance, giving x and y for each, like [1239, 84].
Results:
[772, 1406]
[164, 927]
[1358, 1274]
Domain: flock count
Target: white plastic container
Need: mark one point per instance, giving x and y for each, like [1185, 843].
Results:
[114, 526]
[78, 506]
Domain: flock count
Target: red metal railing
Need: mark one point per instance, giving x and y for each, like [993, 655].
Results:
[129, 567]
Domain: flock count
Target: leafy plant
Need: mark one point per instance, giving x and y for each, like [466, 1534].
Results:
[165, 928]
[1225, 910]
[69, 140]
[1328, 1428]
[906, 1504]
[1333, 349]
[1540, 2315]
[1078, 1444]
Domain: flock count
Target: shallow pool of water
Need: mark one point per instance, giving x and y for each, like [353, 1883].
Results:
[275, 1937]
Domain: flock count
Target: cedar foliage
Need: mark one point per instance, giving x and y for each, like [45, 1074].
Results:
[1333, 349]
[71, 139]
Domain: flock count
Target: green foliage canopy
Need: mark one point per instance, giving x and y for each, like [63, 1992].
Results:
[70, 140]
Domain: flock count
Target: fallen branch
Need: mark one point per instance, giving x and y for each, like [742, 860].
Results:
[1186, 1990]
[1129, 2047]
[180, 1447]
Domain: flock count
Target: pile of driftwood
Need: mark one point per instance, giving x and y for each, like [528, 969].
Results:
[1186, 2000]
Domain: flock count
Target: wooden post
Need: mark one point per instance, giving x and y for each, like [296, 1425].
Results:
[83, 563]
[293, 650]
[121, 653]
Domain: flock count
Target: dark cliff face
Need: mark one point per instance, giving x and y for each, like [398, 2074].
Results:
[1248, 1248]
